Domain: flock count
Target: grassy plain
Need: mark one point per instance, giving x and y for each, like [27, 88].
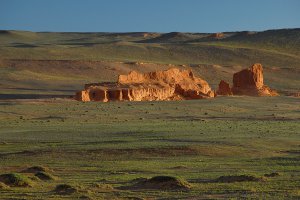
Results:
[101, 147]
[99, 150]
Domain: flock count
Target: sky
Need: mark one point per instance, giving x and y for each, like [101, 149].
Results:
[148, 15]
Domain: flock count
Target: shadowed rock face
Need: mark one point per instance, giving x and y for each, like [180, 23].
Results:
[251, 82]
[249, 78]
[224, 88]
[171, 84]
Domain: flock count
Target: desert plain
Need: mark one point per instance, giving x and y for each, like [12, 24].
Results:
[227, 147]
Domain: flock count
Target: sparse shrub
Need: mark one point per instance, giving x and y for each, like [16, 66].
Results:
[273, 174]
[162, 183]
[15, 179]
[65, 189]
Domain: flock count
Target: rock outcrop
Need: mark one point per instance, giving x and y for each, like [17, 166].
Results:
[171, 84]
[174, 84]
[224, 89]
[251, 82]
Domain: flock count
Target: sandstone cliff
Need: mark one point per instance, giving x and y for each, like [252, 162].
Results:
[251, 82]
[174, 84]
[171, 84]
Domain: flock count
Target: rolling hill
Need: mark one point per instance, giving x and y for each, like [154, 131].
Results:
[59, 63]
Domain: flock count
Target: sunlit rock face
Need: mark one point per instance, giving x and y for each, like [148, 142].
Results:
[171, 84]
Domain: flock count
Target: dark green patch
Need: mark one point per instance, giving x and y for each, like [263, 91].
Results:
[65, 189]
[161, 183]
[44, 176]
[15, 180]
[273, 174]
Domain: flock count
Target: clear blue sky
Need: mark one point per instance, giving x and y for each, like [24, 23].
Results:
[148, 15]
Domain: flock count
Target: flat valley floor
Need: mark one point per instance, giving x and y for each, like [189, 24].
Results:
[102, 148]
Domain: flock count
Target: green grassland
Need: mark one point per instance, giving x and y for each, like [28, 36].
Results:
[111, 144]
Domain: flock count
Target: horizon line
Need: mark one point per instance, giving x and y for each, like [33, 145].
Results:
[1, 30]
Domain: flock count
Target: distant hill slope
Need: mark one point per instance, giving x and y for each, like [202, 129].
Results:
[174, 37]
[273, 47]
[50, 61]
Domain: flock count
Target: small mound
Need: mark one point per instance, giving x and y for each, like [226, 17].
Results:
[44, 176]
[238, 178]
[36, 169]
[65, 189]
[273, 174]
[163, 183]
[15, 180]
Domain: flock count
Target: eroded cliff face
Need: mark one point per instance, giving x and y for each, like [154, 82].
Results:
[171, 84]
[250, 82]
[174, 84]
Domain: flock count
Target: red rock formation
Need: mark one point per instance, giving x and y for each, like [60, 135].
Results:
[160, 85]
[224, 88]
[251, 82]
